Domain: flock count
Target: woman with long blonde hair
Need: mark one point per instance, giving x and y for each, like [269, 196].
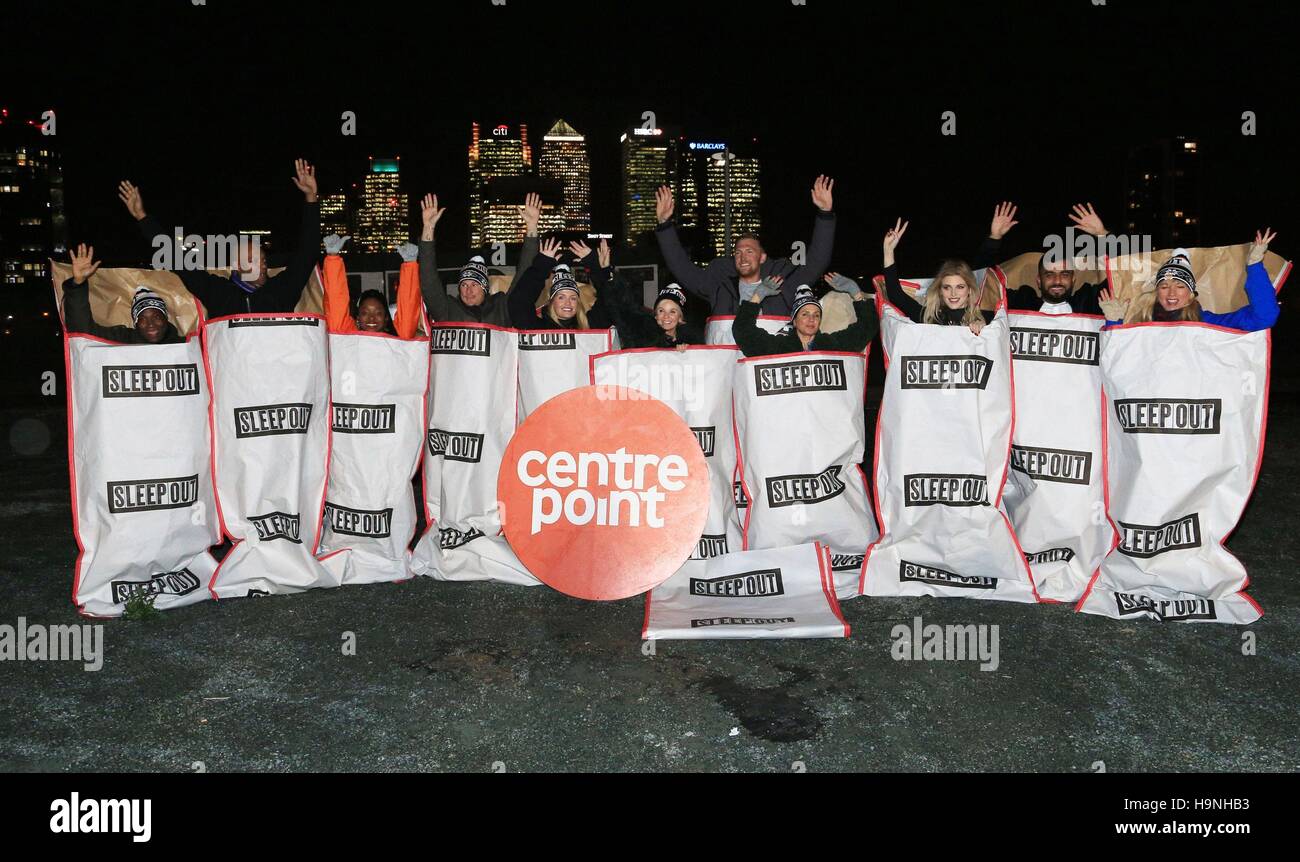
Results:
[953, 298]
[563, 308]
[1173, 300]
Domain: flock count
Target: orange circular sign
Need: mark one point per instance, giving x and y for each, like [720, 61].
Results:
[603, 492]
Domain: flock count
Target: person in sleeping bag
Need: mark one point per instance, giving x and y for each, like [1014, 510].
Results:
[1174, 296]
[150, 323]
[804, 331]
[563, 309]
[371, 312]
[953, 296]
[637, 326]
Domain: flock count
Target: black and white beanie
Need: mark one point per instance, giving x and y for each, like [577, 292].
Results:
[1179, 268]
[803, 295]
[475, 270]
[562, 279]
[144, 299]
[673, 292]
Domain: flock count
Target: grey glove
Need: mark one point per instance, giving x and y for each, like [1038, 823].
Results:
[334, 243]
[765, 288]
[409, 252]
[844, 284]
[1114, 309]
[1256, 253]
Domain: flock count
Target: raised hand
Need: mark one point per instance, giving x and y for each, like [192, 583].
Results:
[531, 212]
[842, 283]
[1086, 217]
[821, 193]
[1113, 308]
[130, 197]
[769, 286]
[1260, 245]
[430, 212]
[334, 243]
[663, 204]
[892, 236]
[602, 254]
[409, 252]
[579, 249]
[83, 263]
[305, 179]
[1004, 219]
[549, 247]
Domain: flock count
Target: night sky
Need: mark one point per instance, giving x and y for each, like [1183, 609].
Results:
[205, 107]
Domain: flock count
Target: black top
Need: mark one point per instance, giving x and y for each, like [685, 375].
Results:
[915, 310]
[523, 301]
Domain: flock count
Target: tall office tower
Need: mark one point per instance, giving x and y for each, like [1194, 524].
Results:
[564, 158]
[381, 218]
[335, 215]
[649, 161]
[502, 199]
[32, 224]
[1162, 192]
[738, 181]
[500, 151]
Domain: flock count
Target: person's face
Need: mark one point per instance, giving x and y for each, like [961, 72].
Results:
[808, 320]
[371, 315]
[1055, 282]
[749, 256]
[668, 315]
[254, 254]
[471, 292]
[1172, 295]
[152, 325]
[954, 291]
[565, 305]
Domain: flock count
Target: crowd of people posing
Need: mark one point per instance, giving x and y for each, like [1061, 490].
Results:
[745, 284]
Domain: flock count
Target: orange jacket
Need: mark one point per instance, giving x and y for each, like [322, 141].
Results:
[338, 305]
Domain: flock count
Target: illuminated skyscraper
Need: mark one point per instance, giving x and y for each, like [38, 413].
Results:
[501, 151]
[648, 162]
[32, 225]
[1162, 192]
[381, 219]
[744, 194]
[335, 215]
[564, 158]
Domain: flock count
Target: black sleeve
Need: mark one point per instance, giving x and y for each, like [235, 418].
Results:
[987, 254]
[211, 290]
[1087, 299]
[522, 300]
[1024, 298]
[635, 327]
[858, 334]
[819, 257]
[527, 254]
[898, 297]
[687, 274]
[436, 301]
[287, 287]
[77, 316]
[752, 340]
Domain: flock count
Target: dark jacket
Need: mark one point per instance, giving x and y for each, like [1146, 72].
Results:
[719, 284]
[915, 310]
[1083, 300]
[77, 318]
[222, 295]
[635, 323]
[523, 301]
[754, 341]
[444, 307]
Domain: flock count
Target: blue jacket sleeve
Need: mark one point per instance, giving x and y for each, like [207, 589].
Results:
[1262, 311]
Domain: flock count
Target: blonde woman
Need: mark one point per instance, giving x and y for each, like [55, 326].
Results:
[563, 309]
[1174, 297]
[953, 297]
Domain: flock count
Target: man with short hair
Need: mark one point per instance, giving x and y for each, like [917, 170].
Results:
[726, 281]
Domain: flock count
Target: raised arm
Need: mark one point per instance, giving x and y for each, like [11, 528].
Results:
[1004, 219]
[288, 285]
[522, 300]
[436, 301]
[337, 301]
[531, 213]
[893, 285]
[407, 319]
[202, 285]
[76, 299]
[858, 334]
[1262, 310]
[822, 244]
[687, 274]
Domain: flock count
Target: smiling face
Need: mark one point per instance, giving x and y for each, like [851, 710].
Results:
[954, 291]
[808, 320]
[564, 305]
[748, 256]
[1055, 282]
[372, 315]
[471, 292]
[152, 325]
[668, 314]
[1172, 295]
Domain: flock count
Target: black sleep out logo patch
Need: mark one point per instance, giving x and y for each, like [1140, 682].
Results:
[283, 320]
[1051, 555]
[945, 372]
[705, 437]
[807, 488]
[364, 523]
[945, 489]
[1164, 610]
[149, 381]
[364, 418]
[1141, 540]
[746, 585]
[1052, 465]
[916, 573]
[739, 621]
[710, 546]
[547, 341]
[1054, 345]
[455, 445]
[738, 491]
[272, 419]
[147, 495]
[462, 340]
[449, 538]
[276, 525]
[808, 375]
[178, 583]
[1169, 415]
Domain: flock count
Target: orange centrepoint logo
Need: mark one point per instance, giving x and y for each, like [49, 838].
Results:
[603, 492]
